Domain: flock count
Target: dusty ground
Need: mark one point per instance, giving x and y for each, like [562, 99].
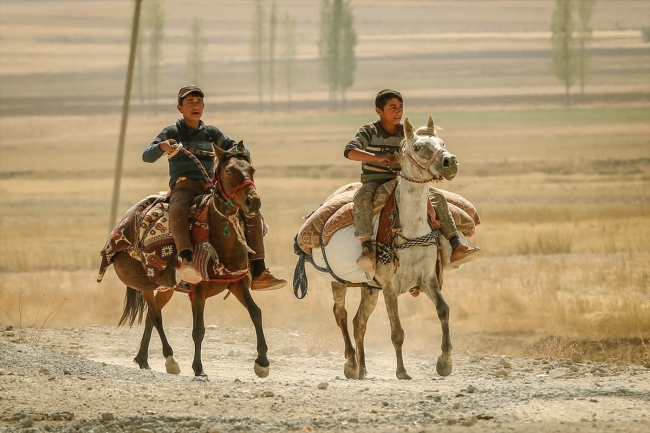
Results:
[82, 379]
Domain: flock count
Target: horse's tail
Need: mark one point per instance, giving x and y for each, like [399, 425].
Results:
[133, 307]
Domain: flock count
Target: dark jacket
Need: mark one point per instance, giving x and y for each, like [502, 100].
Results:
[198, 141]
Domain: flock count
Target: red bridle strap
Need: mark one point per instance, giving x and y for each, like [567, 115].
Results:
[226, 197]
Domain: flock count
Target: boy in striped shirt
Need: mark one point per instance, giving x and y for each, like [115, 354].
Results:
[375, 145]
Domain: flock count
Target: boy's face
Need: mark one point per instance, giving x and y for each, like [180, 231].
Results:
[191, 108]
[392, 112]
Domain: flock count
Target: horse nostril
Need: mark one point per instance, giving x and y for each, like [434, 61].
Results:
[248, 202]
[445, 162]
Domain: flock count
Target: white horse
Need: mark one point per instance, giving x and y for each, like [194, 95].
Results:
[424, 159]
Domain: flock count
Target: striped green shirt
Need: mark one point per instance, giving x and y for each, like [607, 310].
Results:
[373, 138]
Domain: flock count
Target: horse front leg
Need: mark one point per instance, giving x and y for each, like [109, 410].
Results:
[351, 368]
[243, 295]
[142, 357]
[396, 330]
[443, 366]
[198, 328]
[366, 307]
[154, 313]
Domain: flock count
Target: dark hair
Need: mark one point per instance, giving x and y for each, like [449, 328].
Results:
[386, 95]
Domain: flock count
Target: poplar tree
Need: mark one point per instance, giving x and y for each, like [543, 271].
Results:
[273, 30]
[585, 12]
[328, 45]
[563, 62]
[336, 47]
[258, 49]
[289, 54]
[195, 54]
[348, 65]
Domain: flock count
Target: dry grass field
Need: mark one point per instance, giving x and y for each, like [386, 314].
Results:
[564, 193]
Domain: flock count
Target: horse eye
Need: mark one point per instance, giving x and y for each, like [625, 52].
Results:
[227, 172]
[417, 148]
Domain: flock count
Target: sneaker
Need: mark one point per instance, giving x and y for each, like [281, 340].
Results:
[189, 273]
[267, 281]
[366, 260]
[463, 254]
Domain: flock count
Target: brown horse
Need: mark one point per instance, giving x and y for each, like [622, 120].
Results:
[234, 192]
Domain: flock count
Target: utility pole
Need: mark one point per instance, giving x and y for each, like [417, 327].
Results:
[125, 115]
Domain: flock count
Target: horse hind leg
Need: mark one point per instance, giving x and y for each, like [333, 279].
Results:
[351, 367]
[155, 316]
[141, 358]
[366, 307]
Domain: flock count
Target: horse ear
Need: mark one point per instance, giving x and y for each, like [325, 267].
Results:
[219, 153]
[431, 126]
[240, 147]
[408, 129]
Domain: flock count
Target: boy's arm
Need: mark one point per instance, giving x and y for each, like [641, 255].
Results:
[158, 147]
[356, 149]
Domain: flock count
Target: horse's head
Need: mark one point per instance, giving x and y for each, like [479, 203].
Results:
[425, 155]
[234, 179]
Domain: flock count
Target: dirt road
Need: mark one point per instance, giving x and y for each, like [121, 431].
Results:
[82, 379]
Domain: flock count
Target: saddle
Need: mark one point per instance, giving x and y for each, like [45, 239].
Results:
[144, 233]
[337, 212]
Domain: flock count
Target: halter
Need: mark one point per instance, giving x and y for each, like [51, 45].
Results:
[228, 198]
[425, 169]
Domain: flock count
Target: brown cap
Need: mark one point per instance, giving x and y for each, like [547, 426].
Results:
[186, 90]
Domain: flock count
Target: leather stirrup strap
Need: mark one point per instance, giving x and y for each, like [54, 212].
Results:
[384, 231]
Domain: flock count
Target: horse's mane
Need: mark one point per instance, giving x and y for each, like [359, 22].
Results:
[239, 155]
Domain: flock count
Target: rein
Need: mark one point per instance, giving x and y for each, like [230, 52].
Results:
[180, 148]
[425, 169]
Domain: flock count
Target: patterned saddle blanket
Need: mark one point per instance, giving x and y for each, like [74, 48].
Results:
[144, 233]
[337, 212]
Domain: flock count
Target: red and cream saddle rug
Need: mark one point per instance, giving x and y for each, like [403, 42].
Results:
[144, 233]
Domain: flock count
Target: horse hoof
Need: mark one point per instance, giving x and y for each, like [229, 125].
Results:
[403, 376]
[143, 365]
[443, 366]
[261, 371]
[172, 366]
[351, 371]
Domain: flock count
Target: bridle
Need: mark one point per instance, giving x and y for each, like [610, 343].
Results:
[417, 164]
[222, 193]
[228, 198]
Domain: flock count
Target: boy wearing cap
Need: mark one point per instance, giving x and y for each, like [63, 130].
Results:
[375, 145]
[187, 182]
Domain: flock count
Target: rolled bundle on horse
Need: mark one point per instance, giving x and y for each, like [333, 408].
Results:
[411, 249]
[143, 254]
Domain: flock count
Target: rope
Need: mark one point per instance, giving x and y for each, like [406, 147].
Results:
[180, 148]
[399, 174]
[387, 252]
[236, 223]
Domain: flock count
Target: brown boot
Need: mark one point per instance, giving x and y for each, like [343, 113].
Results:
[463, 254]
[366, 260]
[189, 273]
[267, 281]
